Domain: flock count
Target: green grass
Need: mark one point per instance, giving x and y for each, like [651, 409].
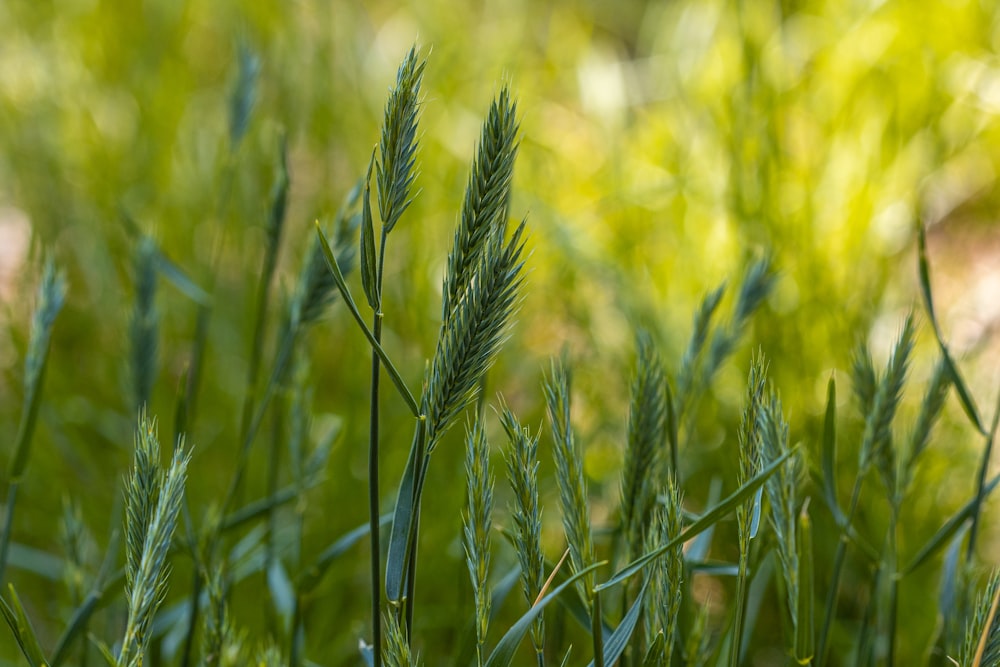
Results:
[257, 566]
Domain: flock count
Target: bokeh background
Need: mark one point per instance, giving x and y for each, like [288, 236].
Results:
[665, 145]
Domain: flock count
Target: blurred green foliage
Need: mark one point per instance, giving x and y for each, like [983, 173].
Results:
[665, 144]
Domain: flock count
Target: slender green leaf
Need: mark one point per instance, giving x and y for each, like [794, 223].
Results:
[503, 654]
[176, 276]
[369, 261]
[944, 533]
[968, 405]
[707, 520]
[399, 537]
[338, 275]
[20, 626]
[618, 641]
[829, 454]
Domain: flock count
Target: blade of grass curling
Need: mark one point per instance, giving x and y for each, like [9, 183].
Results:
[707, 520]
[20, 627]
[397, 380]
[51, 295]
[950, 527]
[503, 653]
[968, 405]
[617, 642]
[980, 480]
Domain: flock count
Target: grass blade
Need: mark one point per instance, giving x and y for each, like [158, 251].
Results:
[503, 653]
[618, 641]
[829, 454]
[704, 522]
[945, 532]
[402, 520]
[968, 405]
[20, 626]
[397, 380]
[369, 260]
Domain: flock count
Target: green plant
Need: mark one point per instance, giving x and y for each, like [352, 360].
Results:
[633, 567]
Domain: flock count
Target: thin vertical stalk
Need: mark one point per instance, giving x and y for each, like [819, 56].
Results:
[741, 594]
[890, 567]
[838, 567]
[373, 470]
[597, 630]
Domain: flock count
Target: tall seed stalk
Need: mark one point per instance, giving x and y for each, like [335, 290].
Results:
[522, 471]
[395, 173]
[748, 512]
[51, 295]
[481, 292]
[573, 496]
[878, 399]
[477, 520]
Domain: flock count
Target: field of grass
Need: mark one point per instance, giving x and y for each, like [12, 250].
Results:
[662, 333]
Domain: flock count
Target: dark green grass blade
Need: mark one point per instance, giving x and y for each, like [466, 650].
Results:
[402, 518]
[20, 627]
[369, 260]
[968, 405]
[707, 520]
[503, 654]
[338, 275]
[829, 454]
[951, 526]
[618, 641]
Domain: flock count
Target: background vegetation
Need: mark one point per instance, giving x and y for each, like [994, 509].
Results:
[665, 146]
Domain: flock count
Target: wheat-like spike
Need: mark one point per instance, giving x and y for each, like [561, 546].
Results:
[221, 645]
[142, 490]
[782, 496]
[876, 441]
[751, 456]
[478, 517]
[666, 587]
[471, 336]
[144, 323]
[864, 379]
[930, 410]
[522, 471]
[148, 584]
[395, 171]
[569, 474]
[983, 623]
[51, 296]
[396, 651]
[699, 336]
[243, 96]
[647, 433]
[279, 206]
[270, 655]
[756, 286]
[487, 196]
